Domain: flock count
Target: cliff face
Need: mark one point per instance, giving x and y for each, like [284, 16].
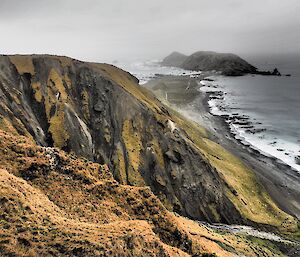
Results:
[226, 64]
[101, 113]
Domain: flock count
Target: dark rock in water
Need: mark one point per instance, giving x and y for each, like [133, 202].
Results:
[208, 79]
[297, 159]
[255, 131]
[287, 75]
[241, 123]
[276, 72]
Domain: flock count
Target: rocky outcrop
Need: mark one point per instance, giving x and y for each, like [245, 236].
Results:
[99, 112]
[275, 72]
[297, 159]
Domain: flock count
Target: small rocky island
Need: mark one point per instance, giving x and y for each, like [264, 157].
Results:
[224, 63]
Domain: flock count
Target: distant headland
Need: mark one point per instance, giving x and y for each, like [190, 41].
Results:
[224, 63]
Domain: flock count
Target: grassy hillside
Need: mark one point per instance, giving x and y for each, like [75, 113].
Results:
[53, 203]
[101, 113]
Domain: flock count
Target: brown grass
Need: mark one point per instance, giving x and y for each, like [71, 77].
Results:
[133, 143]
[23, 64]
[60, 204]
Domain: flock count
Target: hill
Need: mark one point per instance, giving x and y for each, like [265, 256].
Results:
[226, 64]
[141, 161]
[175, 59]
[56, 204]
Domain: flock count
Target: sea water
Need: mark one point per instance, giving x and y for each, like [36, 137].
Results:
[269, 104]
[147, 70]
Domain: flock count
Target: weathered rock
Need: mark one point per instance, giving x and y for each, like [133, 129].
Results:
[170, 155]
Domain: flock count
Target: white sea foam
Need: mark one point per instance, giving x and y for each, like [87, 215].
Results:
[272, 146]
[148, 70]
[266, 142]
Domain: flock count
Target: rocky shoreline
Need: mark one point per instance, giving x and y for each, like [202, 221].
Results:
[278, 178]
[235, 121]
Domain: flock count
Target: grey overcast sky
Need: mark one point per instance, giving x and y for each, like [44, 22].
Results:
[104, 30]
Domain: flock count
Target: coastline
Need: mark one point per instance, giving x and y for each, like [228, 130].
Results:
[279, 179]
[253, 115]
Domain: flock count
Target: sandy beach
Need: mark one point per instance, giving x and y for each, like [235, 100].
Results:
[182, 93]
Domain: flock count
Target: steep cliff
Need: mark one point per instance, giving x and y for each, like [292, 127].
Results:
[99, 112]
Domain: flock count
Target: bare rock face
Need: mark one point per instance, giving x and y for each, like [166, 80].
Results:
[99, 112]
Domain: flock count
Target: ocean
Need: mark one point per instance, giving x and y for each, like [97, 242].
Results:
[263, 111]
[147, 70]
